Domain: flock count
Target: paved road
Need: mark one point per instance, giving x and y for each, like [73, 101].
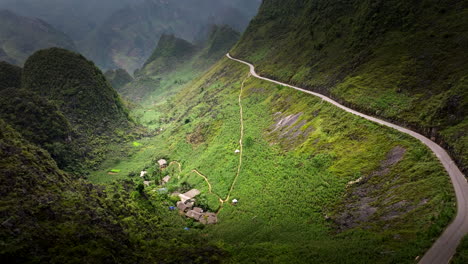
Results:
[444, 248]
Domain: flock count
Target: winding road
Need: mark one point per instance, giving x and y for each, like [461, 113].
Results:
[445, 246]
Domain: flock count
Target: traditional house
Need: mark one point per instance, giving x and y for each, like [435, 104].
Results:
[162, 163]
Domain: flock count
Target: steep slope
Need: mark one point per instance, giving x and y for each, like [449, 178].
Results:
[41, 123]
[316, 184]
[176, 61]
[396, 59]
[118, 78]
[10, 75]
[84, 97]
[220, 39]
[169, 52]
[127, 37]
[78, 88]
[48, 217]
[22, 36]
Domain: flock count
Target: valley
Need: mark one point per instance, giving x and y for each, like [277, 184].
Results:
[178, 132]
[318, 160]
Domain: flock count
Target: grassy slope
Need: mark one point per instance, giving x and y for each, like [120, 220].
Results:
[288, 186]
[462, 252]
[396, 59]
[49, 217]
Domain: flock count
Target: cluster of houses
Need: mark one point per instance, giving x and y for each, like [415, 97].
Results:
[186, 206]
[187, 200]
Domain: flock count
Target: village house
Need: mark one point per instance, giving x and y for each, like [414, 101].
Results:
[162, 163]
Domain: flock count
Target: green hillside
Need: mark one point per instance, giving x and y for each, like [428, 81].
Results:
[401, 60]
[10, 75]
[83, 96]
[296, 202]
[175, 62]
[48, 217]
[289, 178]
[22, 36]
[78, 87]
[41, 123]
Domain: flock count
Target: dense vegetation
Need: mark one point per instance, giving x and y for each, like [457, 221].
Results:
[41, 123]
[79, 89]
[10, 75]
[462, 252]
[22, 36]
[48, 217]
[279, 219]
[314, 184]
[63, 103]
[397, 59]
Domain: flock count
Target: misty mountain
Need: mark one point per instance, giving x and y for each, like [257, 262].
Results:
[123, 33]
[127, 37]
[21, 36]
[75, 18]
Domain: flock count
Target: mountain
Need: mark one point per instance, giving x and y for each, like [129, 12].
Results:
[41, 123]
[118, 78]
[10, 76]
[75, 18]
[220, 39]
[78, 87]
[22, 36]
[170, 52]
[49, 217]
[396, 59]
[176, 61]
[127, 37]
[84, 97]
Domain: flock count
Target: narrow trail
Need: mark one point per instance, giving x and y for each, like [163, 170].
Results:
[196, 172]
[445, 246]
[241, 148]
[241, 153]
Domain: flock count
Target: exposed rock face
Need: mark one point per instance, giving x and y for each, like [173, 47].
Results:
[289, 131]
[359, 205]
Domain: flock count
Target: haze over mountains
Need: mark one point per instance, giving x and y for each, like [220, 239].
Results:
[20, 36]
[123, 33]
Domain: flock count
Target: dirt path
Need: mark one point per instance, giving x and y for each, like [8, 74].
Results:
[445, 247]
[241, 148]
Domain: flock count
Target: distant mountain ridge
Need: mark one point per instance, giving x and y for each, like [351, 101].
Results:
[174, 54]
[128, 36]
[21, 36]
[63, 103]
